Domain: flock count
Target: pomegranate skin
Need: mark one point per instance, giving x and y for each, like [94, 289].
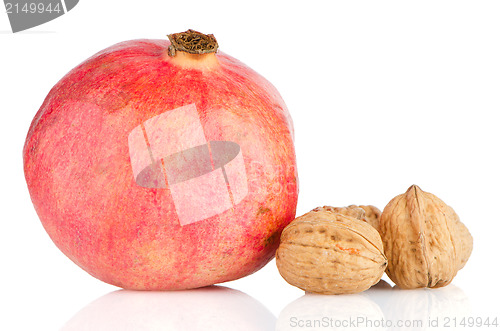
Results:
[83, 163]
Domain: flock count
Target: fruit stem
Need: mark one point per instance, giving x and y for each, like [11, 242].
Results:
[192, 42]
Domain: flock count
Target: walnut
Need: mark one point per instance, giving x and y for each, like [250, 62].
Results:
[424, 240]
[330, 253]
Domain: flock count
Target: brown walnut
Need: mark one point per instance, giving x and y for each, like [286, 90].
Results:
[330, 253]
[424, 240]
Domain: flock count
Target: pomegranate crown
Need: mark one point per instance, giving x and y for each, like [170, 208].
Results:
[192, 42]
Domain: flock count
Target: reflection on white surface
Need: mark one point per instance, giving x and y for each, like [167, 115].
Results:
[422, 309]
[329, 312]
[211, 308]
[380, 308]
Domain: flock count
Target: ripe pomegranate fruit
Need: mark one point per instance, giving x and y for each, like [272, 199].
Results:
[162, 165]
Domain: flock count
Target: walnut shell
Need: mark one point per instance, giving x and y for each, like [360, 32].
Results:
[330, 253]
[424, 240]
[352, 211]
[372, 215]
[369, 214]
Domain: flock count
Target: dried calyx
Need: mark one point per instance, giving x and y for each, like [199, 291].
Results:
[192, 42]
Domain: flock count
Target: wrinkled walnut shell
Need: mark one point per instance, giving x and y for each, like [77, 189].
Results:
[372, 215]
[369, 214]
[352, 211]
[424, 240]
[330, 253]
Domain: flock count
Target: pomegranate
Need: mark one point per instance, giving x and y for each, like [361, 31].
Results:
[163, 165]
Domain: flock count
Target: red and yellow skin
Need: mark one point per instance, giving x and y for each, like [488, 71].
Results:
[78, 169]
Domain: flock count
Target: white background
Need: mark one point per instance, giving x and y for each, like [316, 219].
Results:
[383, 94]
